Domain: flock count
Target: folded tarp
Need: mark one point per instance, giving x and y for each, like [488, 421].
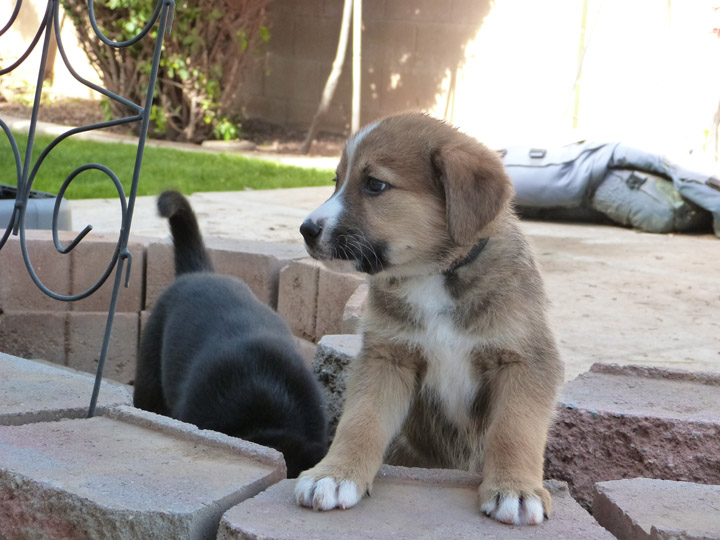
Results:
[629, 186]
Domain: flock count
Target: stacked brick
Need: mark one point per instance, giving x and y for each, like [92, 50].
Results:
[33, 325]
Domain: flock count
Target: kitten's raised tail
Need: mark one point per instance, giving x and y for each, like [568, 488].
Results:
[190, 252]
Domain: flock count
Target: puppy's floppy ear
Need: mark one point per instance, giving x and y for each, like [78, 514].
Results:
[476, 186]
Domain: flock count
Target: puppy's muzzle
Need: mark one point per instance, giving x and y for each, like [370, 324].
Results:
[311, 232]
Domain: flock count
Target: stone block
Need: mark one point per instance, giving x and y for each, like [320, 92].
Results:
[406, 504]
[278, 77]
[418, 10]
[470, 12]
[307, 350]
[297, 298]
[36, 391]
[91, 258]
[308, 79]
[17, 289]
[622, 422]
[447, 41]
[316, 38]
[334, 290]
[282, 28]
[354, 310]
[304, 78]
[304, 8]
[647, 509]
[271, 109]
[34, 334]
[256, 263]
[335, 120]
[85, 338]
[126, 475]
[159, 270]
[333, 356]
[397, 37]
[374, 10]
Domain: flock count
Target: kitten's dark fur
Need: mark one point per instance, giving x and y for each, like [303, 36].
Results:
[213, 355]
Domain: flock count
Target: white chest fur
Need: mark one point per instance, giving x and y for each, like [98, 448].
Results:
[447, 350]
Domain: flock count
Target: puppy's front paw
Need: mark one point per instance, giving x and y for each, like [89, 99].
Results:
[326, 493]
[515, 506]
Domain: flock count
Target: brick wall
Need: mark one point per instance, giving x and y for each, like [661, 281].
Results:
[32, 325]
[409, 47]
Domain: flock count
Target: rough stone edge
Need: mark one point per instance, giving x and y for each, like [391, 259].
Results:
[66, 504]
[330, 365]
[66, 413]
[206, 521]
[613, 518]
[623, 526]
[169, 426]
[53, 415]
[651, 372]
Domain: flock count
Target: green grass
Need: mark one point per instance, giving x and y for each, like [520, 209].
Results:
[162, 169]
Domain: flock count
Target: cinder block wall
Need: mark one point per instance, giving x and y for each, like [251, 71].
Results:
[409, 47]
[33, 325]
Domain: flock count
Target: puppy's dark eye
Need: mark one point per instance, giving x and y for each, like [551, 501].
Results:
[334, 180]
[373, 186]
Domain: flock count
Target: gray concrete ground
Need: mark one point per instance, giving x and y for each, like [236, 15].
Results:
[617, 295]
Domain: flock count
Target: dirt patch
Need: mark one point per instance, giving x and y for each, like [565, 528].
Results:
[76, 112]
[269, 138]
[282, 140]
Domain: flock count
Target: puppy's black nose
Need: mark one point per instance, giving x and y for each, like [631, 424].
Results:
[310, 231]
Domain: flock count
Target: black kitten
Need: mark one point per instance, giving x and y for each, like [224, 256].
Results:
[213, 355]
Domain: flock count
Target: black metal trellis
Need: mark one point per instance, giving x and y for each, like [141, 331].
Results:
[162, 15]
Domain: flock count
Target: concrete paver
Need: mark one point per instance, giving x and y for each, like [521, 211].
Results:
[85, 332]
[19, 332]
[298, 297]
[622, 422]
[646, 509]
[126, 475]
[91, 258]
[33, 391]
[405, 504]
[332, 358]
[255, 262]
[334, 291]
[17, 289]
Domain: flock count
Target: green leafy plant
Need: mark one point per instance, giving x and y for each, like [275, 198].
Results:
[205, 58]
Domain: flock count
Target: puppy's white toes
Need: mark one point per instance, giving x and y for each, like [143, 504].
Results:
[488, 507]
[304, 491]
[326, 493]
[508, 510]
[514, 510]
[531, 511]
[348, 494]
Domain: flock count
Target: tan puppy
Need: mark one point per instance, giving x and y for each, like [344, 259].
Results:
[458, 367]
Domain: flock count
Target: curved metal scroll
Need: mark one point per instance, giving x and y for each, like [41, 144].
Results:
[26, 171]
